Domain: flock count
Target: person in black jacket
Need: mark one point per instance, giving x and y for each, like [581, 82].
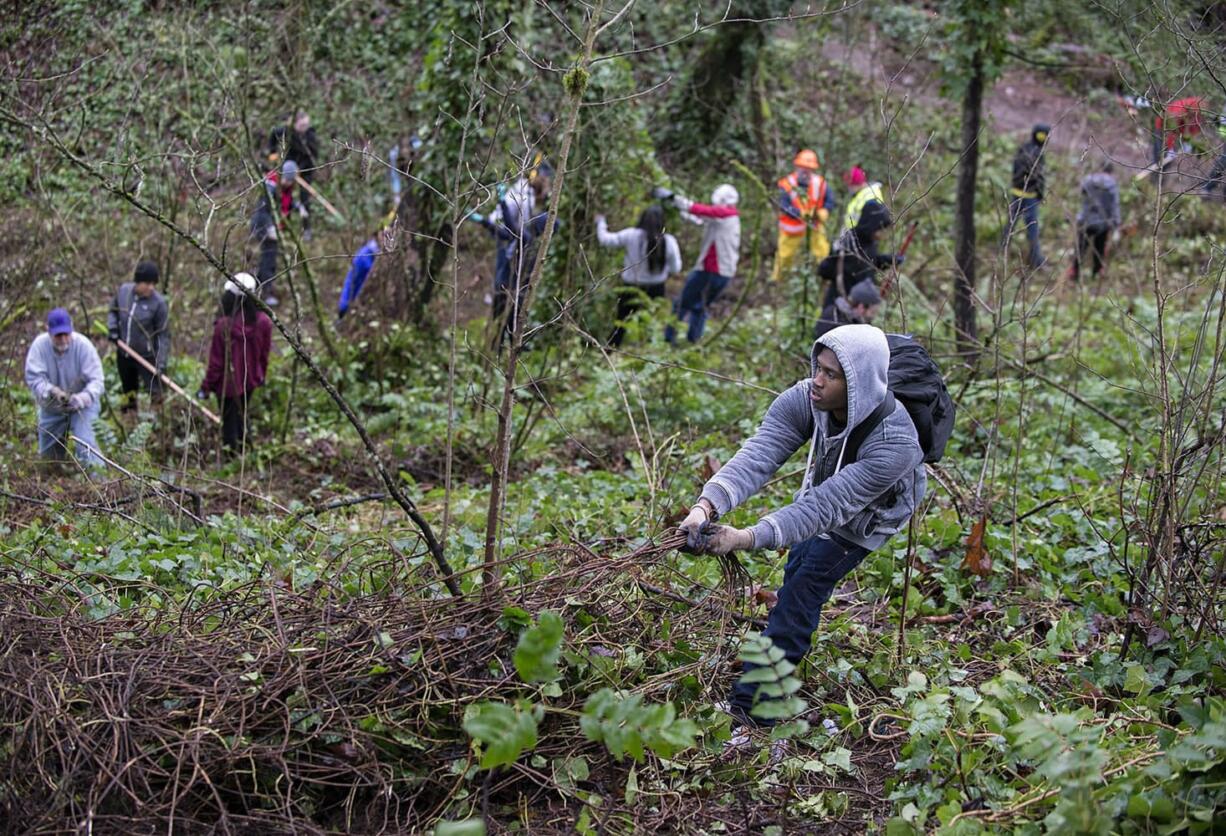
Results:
[854, 258]
[298, 144]
[1026, 192]
[140, 317]
[858, 307]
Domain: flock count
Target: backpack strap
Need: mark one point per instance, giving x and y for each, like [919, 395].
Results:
[861, 430]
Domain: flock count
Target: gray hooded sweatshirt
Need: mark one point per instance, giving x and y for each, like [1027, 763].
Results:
[76, 370]
[863, 502]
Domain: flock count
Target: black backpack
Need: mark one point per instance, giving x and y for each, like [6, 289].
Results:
[915, 380]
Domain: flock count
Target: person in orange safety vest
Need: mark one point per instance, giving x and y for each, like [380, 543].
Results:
[805, 202]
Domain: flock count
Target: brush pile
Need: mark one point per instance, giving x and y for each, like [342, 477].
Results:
[268, 709]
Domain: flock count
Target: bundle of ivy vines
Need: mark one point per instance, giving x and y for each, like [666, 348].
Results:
[268, 708]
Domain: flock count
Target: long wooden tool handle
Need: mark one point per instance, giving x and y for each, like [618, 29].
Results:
[176, 388]
[889, 280]
[309, 189]
[907, 241]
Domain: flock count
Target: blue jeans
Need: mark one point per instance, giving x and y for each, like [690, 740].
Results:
[814, 568]
[1028, 209]
[701, 289]
[53, 430]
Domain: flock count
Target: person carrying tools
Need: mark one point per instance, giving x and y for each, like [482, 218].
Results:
[1027, 189]
[855, 257]
[717, 256]
[862, 192]
[276, 202]
[238, 357]
[805, 202]
[652, 255]
[871, 412]
[64, 374]
[298, 144]
[1098, 218]
[140, 318]
[859, 306]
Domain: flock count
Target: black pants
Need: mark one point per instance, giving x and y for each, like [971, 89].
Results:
[133, 376]
[268, 265]
[1093, 239]
[630, 300]
[234, 421]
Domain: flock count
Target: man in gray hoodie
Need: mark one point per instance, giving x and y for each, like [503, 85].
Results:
[843, 510]
[65, 376]
[140, 317]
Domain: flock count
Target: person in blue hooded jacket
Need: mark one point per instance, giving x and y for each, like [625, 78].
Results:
[843, 510]
[359, 271]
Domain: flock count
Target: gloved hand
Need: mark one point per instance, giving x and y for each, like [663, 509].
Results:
[112, 336]
[899, 259]
[271, 233]
[823, 215]
[476, 217]
[661, 193]
[302, 211]
[78, 402]
[201, 394]
[692, 527]
[723, 539]
[59, 397]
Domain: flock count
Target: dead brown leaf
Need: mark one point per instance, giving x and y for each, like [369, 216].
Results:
[977, 560]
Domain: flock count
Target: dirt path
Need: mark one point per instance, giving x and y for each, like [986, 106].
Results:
[1018, 100]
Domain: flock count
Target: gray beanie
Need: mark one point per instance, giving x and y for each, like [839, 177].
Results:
[289, 170]
[864, 293]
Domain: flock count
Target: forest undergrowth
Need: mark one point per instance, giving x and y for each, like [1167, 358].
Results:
[267, 643]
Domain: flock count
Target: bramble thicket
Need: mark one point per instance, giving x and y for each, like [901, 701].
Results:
[434, 582]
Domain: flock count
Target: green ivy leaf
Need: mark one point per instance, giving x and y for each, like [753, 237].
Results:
[536, 655]
[504, 732]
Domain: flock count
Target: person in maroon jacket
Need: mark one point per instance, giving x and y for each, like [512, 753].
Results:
[238, 356]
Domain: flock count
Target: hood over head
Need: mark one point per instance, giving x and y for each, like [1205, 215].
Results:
[864, 355]
[725, 195]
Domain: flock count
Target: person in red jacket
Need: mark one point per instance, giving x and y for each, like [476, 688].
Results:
[238, 357]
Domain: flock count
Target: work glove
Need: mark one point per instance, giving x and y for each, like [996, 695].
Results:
[693, 528]
[201, 395]
[476, 217]
[78, 402]
[302, 211]
[59, 397]
[661, 193]
[722, 539]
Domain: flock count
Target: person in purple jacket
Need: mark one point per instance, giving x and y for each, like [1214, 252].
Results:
[843, 510]
[238, 357]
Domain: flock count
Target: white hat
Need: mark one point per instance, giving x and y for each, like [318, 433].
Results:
[241, 284]
[725, 195]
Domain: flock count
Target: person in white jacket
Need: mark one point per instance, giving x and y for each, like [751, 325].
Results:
[652, 255]
[64, 374]
[717, 256]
